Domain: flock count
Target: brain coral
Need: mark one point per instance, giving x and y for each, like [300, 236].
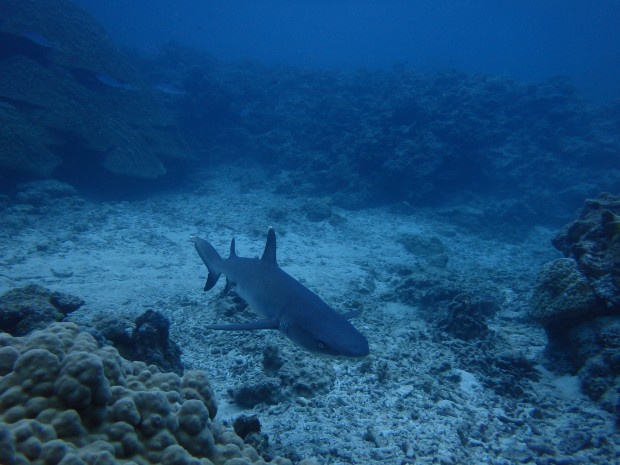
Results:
[65, 400]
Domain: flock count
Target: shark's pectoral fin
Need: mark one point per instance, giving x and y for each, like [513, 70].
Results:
[260, 324]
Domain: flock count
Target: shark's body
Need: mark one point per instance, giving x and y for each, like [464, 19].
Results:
[285, 303]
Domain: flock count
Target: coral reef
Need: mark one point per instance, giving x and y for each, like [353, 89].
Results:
[397, 135]
[577, 298]
[60, 115]
[593, 241]
[66, 400]
[526, 151]
[562, 292]
[25, 309]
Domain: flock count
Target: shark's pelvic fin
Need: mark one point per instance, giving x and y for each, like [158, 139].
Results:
[269, 255]
[259, 324]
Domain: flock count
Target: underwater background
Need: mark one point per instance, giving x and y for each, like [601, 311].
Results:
[447, 172]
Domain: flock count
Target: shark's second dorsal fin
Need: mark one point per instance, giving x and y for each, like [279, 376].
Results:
[269, 255]
[232, 248]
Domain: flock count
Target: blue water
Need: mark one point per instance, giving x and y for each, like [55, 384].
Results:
[523, 39]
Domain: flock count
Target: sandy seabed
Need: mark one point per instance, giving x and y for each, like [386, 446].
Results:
[408, 402]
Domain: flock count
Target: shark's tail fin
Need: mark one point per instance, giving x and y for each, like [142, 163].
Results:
[211, 258]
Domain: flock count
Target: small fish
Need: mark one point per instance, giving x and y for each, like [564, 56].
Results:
[38, 39]
[168, 89]
[113, 82]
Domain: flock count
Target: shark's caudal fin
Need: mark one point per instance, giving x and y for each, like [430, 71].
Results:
[211, 258]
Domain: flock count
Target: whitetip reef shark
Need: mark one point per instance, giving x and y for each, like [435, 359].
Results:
[285, 303]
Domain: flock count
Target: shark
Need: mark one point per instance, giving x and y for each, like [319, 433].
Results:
[285, 303]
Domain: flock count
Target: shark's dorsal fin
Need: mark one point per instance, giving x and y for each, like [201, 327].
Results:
[232, 248]
[269, 255]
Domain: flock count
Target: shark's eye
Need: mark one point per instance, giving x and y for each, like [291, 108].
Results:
[320, 345]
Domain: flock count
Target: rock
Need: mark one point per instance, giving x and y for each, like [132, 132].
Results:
[245, 425]
[273, 358]
[34, 307]
[577, 298]
[593, 240]
[464, 320]
[266, 391]
[147, 339]
[562, 292]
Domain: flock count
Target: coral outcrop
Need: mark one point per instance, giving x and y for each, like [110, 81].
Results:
[562, 292]
[593, 241]
[519, 152]
[25, 309]
[66, 400]
[72, 102]
[577, 298]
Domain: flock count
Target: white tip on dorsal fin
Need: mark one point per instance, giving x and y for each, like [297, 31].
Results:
[232, 248]
[269, 255]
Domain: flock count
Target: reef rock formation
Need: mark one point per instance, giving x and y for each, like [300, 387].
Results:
[25, 309]
[64, 399]
[71, 101]
[593, 240]
[577, 298]
[146, 339]
[562, 292]
[520, 152]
